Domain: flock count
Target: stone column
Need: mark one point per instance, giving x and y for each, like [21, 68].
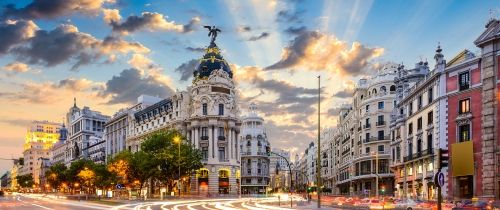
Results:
[230, 144]
[210, 143]
[216, 144]
[488, 129]
[196, 137]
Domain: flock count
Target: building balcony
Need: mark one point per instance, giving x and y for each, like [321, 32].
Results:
[204, 138]
[359, 128]
[223, 160]
[366, 126]
[380, 123]
[222, 138]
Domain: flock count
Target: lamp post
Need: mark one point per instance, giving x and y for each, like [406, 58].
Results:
[177, 139]
[318, 161]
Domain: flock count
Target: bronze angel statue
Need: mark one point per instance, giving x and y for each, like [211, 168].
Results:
[212, 31]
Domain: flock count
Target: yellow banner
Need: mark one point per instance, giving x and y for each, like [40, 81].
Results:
[462, 159]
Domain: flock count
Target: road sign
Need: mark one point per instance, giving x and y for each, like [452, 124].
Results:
[119, 186]
[439, 179]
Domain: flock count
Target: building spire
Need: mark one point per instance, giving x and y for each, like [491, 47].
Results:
[74, 102]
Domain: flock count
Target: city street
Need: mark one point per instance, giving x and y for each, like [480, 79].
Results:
[29, 202]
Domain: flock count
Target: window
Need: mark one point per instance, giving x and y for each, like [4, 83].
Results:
[204, 131]
[393, 155]
[464, 81]
[204, 153]
[464, 106]
[419, 146]
[367, 150]
[430, 95]
[410, 128]
[222, 153]
[380, 135]
[430, 118]
[367, 122]
[464, 133]
[380, 120]
[221, 133]
[410, 109]
[398, 152]
[248, 181]
[221, 109]
[419, 101]
[367, 137]
[381, 148]
[380, 105]
[419, 123]
[205, 111]
[429, 143]
[367, 108]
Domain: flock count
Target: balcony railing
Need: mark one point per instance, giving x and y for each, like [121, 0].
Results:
[380, 123]
[366, 126]
[204, 137]
[222, 138]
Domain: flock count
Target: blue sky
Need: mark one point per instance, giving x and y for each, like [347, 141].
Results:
[338, 39]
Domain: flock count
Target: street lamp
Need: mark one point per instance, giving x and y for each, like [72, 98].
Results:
[177, 140]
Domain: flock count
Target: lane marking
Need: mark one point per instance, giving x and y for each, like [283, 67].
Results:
[40, 206]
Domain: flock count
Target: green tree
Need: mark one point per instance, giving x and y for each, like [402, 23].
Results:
[103, 177]
[25, 181]
[56, 175]
[75, 176]
[164, 146]
[143, 166]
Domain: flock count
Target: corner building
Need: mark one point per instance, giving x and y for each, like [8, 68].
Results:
[362, 140]
[255, 163]
[207, 114]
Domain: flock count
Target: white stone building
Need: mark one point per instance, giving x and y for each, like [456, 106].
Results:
[255, 163]
[415, 126]
[362, 138]
[207, 114]
[85, 131]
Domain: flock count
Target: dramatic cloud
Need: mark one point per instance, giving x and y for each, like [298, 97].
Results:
[66, 43]
[49, 92]
[261, 36]
[16, 122]
[290, 16]
[295, 30]
[54, 8]
[186, 69]
[195, 49]
[147, 21]
[15, 32]
[16, 67]
[317, 51]
[244, 29]
[130, 84]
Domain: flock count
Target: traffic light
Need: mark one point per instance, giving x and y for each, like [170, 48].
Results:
[443, 158]
[268, 151]
[382, 189]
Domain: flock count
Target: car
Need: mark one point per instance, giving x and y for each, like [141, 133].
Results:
[409, 204]
[474, 205]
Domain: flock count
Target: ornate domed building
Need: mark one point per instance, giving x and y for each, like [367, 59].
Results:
[207, 114]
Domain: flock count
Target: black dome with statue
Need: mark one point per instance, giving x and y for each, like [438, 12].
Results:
[212, 60]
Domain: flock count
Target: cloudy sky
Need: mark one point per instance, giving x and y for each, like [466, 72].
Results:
[107, 52]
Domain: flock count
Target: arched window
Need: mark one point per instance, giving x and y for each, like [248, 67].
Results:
[383, 89]
[249, 143]
[259, 143]
[374, 91]
[361, 97]
[392, 88]
[248, 136]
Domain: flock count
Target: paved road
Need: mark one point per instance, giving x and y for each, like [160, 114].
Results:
[43, 203]
[212, 204]
[37, 202]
